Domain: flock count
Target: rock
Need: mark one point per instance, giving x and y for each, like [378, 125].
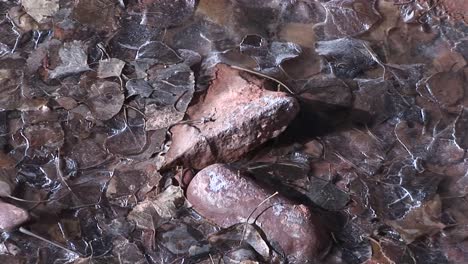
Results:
[223, 196]
[235, 116]
[11, 216]
[457, 9]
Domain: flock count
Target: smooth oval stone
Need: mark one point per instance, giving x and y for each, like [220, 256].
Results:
[223, 196]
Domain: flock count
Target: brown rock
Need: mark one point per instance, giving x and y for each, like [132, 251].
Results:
[11, 216]
[457, 9]
[223, 196]
[235, 116]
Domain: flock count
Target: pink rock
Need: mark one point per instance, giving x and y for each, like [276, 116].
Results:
[235, 116]
[223, 196]
[11, 216]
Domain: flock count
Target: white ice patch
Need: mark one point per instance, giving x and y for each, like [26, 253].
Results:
[278, 209]
[217, 183]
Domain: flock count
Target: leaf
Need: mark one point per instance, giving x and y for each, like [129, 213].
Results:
[424, 252]
[434, 149]
[204, 36]
[437, 85]
[10, 82]
[127, 252]
[88, 188]
[130, 137]
[39, 172]
[419, 221]
[168, 13]
[291, 175]
[132, 34]
[380, 100]
[348, 18]
[49, 135]
[105, 99]
[138, 87]
[7, 173]
[101, 15]
[131, 182]
[304, 13]
[285, 171]
[326, 195]
[260, 16]
[347, 57]
[110, 68]
[240, 234]
[73, 60]
[180, 239]
[356, 148]
[190, 57]
[155, 140]
[157, 52]
[5, 189]
[88, 153]
[40, 10]
[332, 92]
[462, 48]
[407, 76]
[402, 189]
[151, 213]
[173, 91]
[245, 254]
[378, 255]
[268, 55]
[162, 117]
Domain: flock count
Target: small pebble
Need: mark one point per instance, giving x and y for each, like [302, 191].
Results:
[11, 216]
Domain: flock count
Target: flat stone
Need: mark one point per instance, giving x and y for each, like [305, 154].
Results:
[226, 198]
[11, 216]
[235, 116]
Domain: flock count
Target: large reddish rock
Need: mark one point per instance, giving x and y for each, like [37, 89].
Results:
[11, 216]
[223, 196]
[457, 9]
[235, 116]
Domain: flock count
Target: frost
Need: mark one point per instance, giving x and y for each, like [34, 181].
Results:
[216, 182]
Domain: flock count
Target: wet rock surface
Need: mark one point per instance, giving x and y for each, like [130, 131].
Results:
[234, 117]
